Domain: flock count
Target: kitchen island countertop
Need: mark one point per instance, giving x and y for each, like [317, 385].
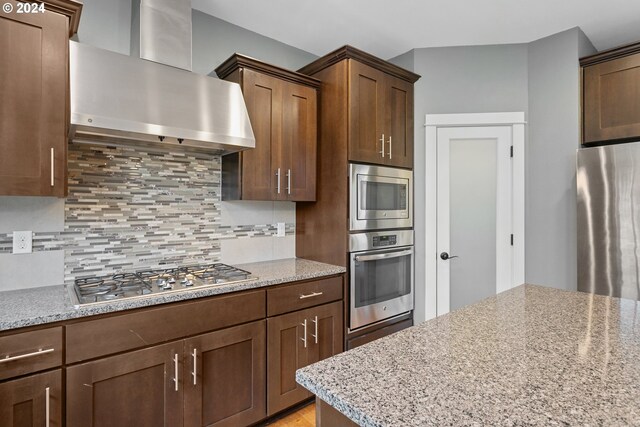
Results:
[528, 356]
[29, 307]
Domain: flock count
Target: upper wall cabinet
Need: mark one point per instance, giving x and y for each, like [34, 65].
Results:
[379, 106]
[611, 95]
[381, 112]
[34, 106]
[282, 107]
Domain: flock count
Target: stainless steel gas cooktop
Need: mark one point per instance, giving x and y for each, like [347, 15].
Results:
[91, 290]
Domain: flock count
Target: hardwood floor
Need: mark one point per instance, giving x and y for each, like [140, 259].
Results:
[304, 417]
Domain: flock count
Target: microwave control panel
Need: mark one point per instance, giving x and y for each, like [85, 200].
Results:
[381, 241]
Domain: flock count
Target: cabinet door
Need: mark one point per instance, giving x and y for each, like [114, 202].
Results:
[263, 96]
[139, 388]
[299, 142]
[611, 100]
[399, 123]
[26, 401]
[286, 353]
[366, 113]
[325, 331]
[33, 112]
[225, 385]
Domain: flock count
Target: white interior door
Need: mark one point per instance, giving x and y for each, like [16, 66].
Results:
[474, 214]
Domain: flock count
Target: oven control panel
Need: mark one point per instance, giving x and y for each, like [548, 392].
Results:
[382, 241]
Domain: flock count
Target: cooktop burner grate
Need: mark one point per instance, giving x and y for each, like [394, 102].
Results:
[90, 290]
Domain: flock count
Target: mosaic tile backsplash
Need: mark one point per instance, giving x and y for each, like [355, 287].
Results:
[133, 208]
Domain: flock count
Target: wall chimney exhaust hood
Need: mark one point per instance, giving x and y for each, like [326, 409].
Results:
[126, 100]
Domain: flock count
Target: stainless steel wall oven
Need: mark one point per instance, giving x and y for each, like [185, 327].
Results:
[381, 276]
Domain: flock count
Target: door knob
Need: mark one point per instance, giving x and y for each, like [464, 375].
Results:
[445, 256]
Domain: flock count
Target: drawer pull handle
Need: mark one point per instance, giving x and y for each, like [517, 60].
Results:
[304, 339]
[175, 371]
[311, 295]
[24, 356]
[315, 320]
[195, 366]
[47, 410]
[53, 167]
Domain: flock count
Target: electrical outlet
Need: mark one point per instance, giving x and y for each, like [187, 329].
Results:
[22, 242]
[281, 230]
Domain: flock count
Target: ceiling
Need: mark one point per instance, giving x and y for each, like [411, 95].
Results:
[388, 28]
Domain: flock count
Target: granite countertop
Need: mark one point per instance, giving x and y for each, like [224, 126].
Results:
[528, 356]
[21, 308]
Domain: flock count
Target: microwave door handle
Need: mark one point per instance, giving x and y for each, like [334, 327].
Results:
[383, 256]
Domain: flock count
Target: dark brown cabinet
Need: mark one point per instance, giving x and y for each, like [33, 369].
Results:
[381, 117]
[225, 384]
[217, 378]
[365, 111]
[282, 107]
[139, 388]
[34, 112]
[204, 362]
[611, 95]
[28, 401]
[296, 340]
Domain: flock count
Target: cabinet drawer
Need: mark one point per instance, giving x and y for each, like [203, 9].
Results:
[27, 352]
[308, 294]
[95, 338]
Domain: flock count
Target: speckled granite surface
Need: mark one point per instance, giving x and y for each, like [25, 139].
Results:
[52, 303]
[529, 356]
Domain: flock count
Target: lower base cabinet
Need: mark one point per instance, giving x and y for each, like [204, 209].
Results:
[214, 379]
[140, 388]
[296, 340]
[26, 402]
[231, 364]
[225, 385]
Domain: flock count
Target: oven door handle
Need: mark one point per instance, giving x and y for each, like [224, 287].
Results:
[383, 256]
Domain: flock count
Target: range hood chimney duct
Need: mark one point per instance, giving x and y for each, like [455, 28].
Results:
[165, 32]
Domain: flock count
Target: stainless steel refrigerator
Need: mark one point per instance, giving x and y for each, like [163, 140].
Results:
[608, 181]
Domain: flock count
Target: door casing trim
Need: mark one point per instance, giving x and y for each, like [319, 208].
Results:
[517, 123]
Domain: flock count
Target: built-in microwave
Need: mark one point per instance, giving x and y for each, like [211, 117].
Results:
[380, 197]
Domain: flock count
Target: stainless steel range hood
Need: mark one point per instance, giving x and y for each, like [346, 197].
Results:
[121, 99]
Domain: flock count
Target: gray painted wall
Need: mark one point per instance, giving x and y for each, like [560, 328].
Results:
[214, 40]
[553, 137]
[542, 79]
[106, 24]
[475, 79]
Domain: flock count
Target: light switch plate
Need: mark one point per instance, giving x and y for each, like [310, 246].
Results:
[281, 230]
[22, 242]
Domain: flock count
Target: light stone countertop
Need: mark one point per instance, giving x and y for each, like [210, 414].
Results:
[21, 308]
[528, 356]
